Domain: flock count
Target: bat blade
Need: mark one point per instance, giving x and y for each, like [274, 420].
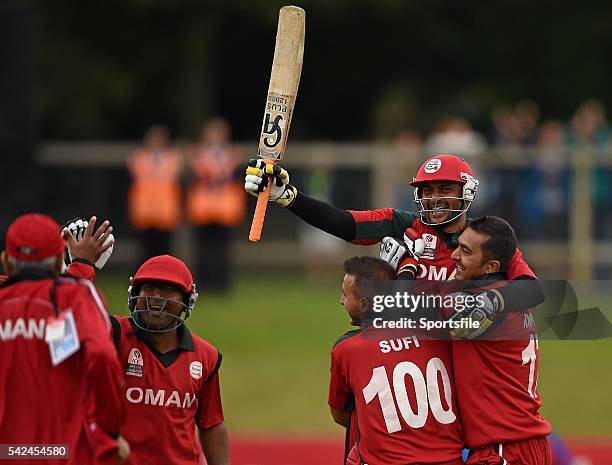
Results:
[280, 101]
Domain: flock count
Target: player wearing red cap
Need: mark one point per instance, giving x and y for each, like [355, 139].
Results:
[171, 374]
[57, 359]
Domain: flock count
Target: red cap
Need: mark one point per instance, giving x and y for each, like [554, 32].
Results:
[34, 237]
[165, 268]
[443, 168]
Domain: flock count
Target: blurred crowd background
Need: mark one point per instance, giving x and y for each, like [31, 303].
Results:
[145, 111]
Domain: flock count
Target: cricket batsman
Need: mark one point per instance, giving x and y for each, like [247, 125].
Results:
[419, 246]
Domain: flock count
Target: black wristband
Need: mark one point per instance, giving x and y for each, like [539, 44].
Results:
[82, 260]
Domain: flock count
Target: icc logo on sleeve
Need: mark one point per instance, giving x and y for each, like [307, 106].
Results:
[135, 365]
[431, 242]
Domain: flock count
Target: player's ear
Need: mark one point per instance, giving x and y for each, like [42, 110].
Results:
[6, 265]
[59, 261]
[492, 266]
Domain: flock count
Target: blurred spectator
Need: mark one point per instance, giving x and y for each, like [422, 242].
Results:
[527, 116]
[544, 189]
[589, 125]
[320, 249]
[408, 153]
[506, 128]
[154, 197]
[589, 131]
[455, 135]
[215, 202]
[518, 127]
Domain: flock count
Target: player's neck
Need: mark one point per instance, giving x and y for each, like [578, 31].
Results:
[164, 342]
[456, 225]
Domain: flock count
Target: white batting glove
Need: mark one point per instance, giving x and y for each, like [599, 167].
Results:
[392, 251]
[78, 227]
[107, 253]
[256, 180]
[414, 242]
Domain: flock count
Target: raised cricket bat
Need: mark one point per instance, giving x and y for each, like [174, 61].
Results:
[282, 92]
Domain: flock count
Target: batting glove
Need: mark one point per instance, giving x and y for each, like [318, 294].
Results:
[256, 180]
[78, 227]
[483, 308]
[403, 255]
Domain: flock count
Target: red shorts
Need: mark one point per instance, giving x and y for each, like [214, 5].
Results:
[535, 451]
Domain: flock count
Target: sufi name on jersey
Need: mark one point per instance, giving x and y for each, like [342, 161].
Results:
[160, 397]
[33, 328]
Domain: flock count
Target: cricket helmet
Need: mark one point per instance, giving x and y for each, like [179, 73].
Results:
[445, 168]
[162, 269]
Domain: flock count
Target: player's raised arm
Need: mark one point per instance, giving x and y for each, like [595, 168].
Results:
[361, 227]
[87, 248]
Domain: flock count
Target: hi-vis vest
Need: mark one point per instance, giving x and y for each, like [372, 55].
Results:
[215, 196]
[154, 198]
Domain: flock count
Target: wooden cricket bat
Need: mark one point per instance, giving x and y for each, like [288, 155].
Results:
[282, 92]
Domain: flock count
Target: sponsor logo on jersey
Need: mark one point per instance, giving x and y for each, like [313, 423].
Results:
[431, 243]
[160, 397]
[135, 365]
[433, 165]
[26, 329]
[195, 370]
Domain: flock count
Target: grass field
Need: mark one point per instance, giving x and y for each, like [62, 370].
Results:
[275, 332]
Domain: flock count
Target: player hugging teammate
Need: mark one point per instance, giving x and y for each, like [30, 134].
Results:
[428, 246]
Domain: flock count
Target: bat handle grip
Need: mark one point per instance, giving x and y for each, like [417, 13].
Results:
[260, 213]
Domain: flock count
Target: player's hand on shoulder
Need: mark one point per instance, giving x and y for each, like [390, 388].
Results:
[257, 176]
[85, 243]
[403, 255]
[481, 310]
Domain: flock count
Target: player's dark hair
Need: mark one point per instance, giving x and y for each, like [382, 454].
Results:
[501, 241]
[368, 268]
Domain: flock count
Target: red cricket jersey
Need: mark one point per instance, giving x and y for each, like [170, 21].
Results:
[167, 395]
[497, 383]
[435, 264]
[46, 404]
[404, 397]
[497, 402]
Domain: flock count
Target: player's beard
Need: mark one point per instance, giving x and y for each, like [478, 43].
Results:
[448, 213]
